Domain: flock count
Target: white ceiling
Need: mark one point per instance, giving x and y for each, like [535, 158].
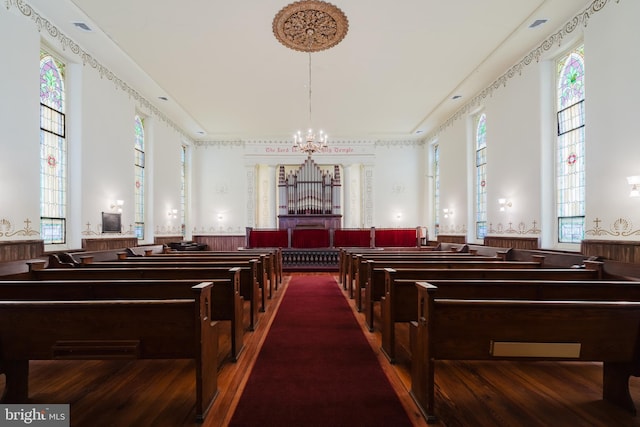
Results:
[226, 76]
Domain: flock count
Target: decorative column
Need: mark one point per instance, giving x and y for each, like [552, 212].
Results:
[336, 189]
[283, 199]
[367, 196]
[251, 201]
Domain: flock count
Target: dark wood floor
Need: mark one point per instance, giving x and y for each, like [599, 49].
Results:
[161, 393]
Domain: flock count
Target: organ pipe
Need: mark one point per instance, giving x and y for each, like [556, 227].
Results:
[309, 190]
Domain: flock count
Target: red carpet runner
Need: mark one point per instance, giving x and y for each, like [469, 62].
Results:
[316, 367]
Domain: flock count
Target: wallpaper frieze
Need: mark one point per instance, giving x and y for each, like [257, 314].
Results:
[96, 230]
[451, 229]
[509, 228]
[621, 227]
[8, 230]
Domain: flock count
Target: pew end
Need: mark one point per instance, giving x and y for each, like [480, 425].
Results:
[110, 329]
[453, 329]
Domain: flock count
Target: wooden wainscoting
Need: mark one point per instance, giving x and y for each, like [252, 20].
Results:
[107, 243]
[16, 250]
[452, 238]
[616, 250]
[222, 242]
[512, 242]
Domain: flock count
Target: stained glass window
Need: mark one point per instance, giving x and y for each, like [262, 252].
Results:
[183, 187]
[436, 187]
[139, 176]
[53, 151]
[570, 161]
[481, 176]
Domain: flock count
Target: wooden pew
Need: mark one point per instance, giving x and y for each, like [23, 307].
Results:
[252, 277]
[358, 265]
[270, 259]
[272, 255]
[373, 280]
[227, 302]
[110, 329]
[345, 256]
[267, 262]
[455, 329]
[398, 302]
[264, 273]
[348, 259]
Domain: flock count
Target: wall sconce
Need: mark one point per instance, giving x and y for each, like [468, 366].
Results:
[117, 205]
[504, 204]
[447, 212]
[173, 213]
[634, 182]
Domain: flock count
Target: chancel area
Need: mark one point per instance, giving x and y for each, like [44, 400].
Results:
[320, 213]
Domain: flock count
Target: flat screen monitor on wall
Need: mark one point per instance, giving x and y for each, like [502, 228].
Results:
[111, 222]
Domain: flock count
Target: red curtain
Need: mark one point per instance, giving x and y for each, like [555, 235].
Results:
[268, 239]
[396, 237]
[310, 238]
[352, 238]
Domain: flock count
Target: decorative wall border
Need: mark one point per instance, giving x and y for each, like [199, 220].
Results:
[452, 229]
[535, 54]
[240, 143]
[7, 229]
[87, 59]
[621, 227]
[96, 230]
[521, 229]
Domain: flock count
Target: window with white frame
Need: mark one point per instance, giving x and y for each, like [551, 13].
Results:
[139, 177]
[570, 147]
[53, 150]
[183, 188]
[481, 175]
[436, 187]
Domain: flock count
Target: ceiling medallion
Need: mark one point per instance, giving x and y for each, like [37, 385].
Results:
[310, 25]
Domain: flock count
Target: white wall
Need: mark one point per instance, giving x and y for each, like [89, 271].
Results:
[613, 128]
[520, 129]
[100, 142]
[398, 186]
[19, 121]
[219, 193]
[227, 191]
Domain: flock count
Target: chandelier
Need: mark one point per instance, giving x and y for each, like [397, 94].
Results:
[312, 141]
[310, 26]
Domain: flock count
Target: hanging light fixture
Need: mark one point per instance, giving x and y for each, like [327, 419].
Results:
[310, 26]
[311, 141]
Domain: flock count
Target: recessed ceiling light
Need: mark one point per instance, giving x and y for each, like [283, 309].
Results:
[456, 97]
[537, 23]
[200, 132]
[82, 26]
[419, 132]
[163, 98]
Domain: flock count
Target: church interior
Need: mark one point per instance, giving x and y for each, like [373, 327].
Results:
[442, 197]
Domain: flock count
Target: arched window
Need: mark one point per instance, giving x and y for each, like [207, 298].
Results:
[481, 176]
[183, 189]
[53, 151]
[436, 188]
[570, 162]
[139, 176]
